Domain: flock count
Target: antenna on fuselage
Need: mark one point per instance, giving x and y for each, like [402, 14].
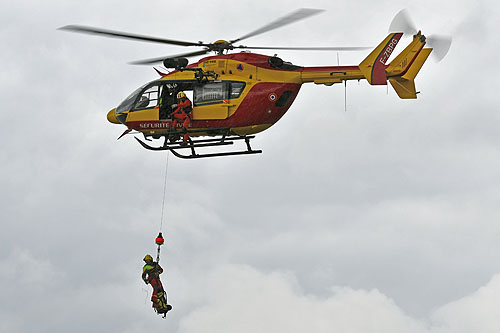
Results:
[345, 95]
[345, 84]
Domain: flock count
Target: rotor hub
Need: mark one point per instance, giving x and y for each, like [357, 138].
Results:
[221, 45]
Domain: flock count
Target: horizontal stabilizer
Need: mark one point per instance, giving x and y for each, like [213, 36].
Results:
[404, 88]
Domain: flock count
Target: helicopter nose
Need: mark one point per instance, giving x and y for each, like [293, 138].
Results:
[112, 117]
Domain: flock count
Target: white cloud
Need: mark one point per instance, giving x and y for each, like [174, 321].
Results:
[248, 301]
[26, 272]
[240, 298]
[477, 312]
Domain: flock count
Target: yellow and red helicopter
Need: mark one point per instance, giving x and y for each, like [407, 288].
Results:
[236, 95]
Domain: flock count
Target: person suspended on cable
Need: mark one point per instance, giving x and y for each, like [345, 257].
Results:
[151, 275]
[182, 112]
[151, 269]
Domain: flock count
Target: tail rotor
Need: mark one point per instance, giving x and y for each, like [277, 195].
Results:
[440, 43]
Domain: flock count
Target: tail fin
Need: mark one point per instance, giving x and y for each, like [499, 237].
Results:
[405, 67]
[373, 67]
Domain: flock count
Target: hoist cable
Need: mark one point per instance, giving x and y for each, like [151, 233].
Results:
[159, 240]
[164, 192]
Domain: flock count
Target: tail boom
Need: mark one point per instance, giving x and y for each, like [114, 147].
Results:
[401, 72]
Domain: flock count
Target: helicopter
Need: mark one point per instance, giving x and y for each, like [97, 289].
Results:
[237, 95]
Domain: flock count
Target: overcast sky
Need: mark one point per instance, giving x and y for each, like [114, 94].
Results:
[383, 218]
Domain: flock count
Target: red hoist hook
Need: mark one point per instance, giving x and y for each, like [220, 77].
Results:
[159, 241]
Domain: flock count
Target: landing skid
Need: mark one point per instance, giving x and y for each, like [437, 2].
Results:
[192, 145]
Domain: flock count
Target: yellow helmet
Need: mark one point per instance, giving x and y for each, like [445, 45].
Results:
[148, 258]
[181, 94]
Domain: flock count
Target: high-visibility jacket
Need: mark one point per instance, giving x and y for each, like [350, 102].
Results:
[150, 272]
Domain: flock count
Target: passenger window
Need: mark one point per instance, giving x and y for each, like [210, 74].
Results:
[236, 89]
[210, 93]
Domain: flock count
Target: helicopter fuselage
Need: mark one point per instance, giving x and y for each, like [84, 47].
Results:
[243, 92]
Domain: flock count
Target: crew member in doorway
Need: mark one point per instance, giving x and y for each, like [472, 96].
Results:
[182, 113]
[166, 101]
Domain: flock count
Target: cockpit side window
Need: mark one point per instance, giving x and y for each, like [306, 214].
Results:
[149, 97]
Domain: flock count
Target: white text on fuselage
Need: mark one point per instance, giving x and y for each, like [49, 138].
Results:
[388, 51]
[160, 125]
[154, 125]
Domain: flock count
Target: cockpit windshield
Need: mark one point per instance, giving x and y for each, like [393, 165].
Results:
[130, 100]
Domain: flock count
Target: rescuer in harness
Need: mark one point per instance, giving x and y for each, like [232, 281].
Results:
[183, 112]
[151, 275]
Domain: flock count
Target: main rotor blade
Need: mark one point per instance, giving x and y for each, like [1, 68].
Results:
[160, 59]
[327, 48]
[125, 35]
[290, 18]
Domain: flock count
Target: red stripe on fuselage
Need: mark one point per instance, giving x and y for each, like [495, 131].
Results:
[258, 60]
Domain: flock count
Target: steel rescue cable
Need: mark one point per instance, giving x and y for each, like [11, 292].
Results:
[164, 192]
[159, 239]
